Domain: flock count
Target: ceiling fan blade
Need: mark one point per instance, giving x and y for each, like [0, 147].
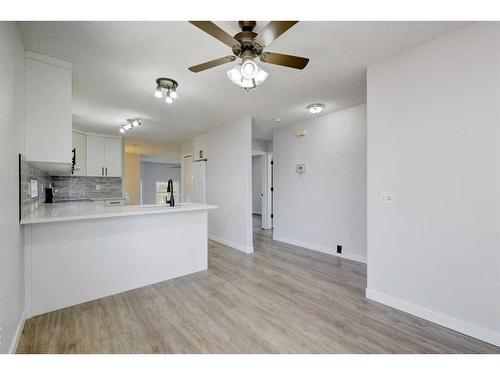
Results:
[272, 31]
[290, 61]
[211, 64]
[214, 30]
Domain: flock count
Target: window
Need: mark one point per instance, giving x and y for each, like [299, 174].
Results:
[161, 192]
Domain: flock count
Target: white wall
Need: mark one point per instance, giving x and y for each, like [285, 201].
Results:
[325, 206]
[259, 146]
[257, 173]
[434, 141]
[11, 144]
[229, 185]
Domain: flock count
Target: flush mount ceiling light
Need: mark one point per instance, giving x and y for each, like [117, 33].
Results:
[131, 123]
[247, 45]
[169, 86]
[315, 108]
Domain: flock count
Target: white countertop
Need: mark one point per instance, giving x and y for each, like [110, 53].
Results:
[66, 211]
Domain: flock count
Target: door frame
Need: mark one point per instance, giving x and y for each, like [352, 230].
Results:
[185, 194]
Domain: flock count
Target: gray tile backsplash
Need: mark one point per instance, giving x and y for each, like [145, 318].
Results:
[78, 187]
[66, 187]
[30, 172]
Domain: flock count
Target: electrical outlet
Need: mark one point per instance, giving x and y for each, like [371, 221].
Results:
[339, 249]
[98, 187]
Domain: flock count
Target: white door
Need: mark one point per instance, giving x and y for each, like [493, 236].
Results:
[95, 156]
[199, 182]
[113, 157]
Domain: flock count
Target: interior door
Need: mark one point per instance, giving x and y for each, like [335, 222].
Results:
[113, 157]
[95, 156]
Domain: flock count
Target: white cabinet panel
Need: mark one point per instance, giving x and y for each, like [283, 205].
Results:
[80, 145]
[104, 156]
[48, 111]
[113, 157]
[95, 155]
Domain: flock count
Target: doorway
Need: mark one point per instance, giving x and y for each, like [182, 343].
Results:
[262, 190]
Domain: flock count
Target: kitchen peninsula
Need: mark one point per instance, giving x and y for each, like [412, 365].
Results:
[80, 251]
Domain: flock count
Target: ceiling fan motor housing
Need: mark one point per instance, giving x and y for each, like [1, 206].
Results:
[247, 48]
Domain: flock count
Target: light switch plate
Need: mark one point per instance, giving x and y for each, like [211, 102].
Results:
[386, 198]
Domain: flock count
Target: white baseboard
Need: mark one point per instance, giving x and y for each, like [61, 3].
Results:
[447, 321]
[234, 245]
[322, 249]
[18, 333]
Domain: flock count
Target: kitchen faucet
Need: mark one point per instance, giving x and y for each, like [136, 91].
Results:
[170, 189]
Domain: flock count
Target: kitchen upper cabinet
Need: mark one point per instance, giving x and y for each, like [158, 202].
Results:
[104, 156]
[200, 148]
[113, 157]
[80, 150]
[48, 119]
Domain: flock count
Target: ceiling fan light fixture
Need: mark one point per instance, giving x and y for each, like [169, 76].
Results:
[315, 108]
[237, 77]
[234, 74]
[173, 93]
[261, 76]
[249, 69]
[158, 93]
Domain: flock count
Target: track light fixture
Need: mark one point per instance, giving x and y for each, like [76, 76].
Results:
[131, 124]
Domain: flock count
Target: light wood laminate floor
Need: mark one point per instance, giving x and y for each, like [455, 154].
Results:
[281, 299]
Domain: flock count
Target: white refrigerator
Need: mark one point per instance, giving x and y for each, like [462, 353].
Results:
[198, 182]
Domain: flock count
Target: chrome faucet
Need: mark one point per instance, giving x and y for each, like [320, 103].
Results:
[170, 189]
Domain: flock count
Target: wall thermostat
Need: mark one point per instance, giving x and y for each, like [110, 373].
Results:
[300, 168]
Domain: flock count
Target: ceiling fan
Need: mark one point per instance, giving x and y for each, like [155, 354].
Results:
[248, 45]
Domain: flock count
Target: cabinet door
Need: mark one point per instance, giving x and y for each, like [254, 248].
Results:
[113, 157]
[47, 112]
[80, 144]
[95, 156]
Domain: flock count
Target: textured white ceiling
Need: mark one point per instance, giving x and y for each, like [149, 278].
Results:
[115, 65]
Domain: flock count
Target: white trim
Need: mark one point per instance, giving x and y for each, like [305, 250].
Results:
[444, 320]
[234, 245]
[47, 59]
[322, 249]
[18, 333]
